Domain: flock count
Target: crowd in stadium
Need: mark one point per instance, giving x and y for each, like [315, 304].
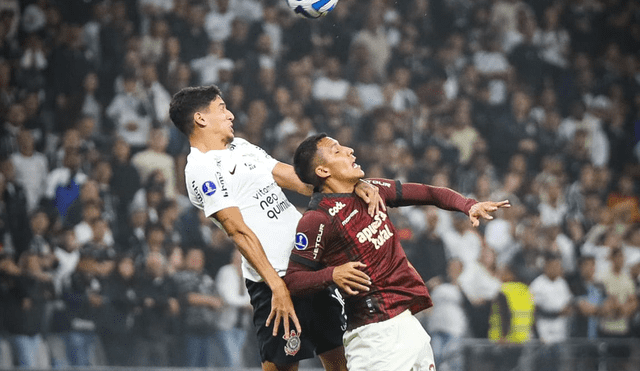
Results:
[103, 260]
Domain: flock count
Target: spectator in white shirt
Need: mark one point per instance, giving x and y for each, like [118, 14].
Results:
[235, 313]
[552, 298]
[331, 86]
[31, 169]
[129, 114]
[218, 21]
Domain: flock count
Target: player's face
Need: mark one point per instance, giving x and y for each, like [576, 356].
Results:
[338, 160]
[218, 119]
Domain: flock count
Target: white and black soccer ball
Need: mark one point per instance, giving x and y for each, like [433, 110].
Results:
[312, 8]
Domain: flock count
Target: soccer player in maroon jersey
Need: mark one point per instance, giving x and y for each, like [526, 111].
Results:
[338, 242]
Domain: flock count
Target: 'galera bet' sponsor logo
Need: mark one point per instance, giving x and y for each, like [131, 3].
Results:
[336, 208]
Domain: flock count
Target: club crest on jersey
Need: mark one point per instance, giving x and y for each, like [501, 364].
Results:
[293, 343]
[208, 188]
[302, 242]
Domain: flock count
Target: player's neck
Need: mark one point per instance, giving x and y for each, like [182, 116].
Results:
[208, 143]
[332, 186]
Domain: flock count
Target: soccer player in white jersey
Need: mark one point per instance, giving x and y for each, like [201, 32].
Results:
[238, 186]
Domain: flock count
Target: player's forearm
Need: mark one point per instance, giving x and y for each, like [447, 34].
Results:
[250, 247]
[444, 198]
[285, 176]
[302, 281]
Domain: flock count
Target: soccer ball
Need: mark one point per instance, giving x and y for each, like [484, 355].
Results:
[312, 8]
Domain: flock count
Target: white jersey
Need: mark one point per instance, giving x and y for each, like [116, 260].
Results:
[241, 176]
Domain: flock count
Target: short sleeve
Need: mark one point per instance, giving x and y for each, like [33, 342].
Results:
[310, 241]
[208, 189]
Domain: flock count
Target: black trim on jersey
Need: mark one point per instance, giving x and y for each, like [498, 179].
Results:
[306, 262]
[398, 191]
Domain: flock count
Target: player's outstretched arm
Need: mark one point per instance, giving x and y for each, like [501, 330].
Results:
[286, 177]
[483, 210]
[251, 248]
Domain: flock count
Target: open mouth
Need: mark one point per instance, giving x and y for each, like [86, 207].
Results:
[355, 166]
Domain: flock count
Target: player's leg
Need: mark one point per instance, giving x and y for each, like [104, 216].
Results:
[276, 352]
[329, 322]
[270, 366]
[334, 360]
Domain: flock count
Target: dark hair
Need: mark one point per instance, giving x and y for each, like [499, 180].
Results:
[189, 100]
[303, 160]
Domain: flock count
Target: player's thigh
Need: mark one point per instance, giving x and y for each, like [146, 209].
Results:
[334, 360]
[276, 349]
[398, 344]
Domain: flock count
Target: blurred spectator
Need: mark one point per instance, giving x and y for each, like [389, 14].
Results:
[155, 159]
[31, 169]
[155, 97]
[118, 324]
[512, 320]
[200, 303]
[480, 285]
[448, 323]
[63, 183]
[160, 310]
[125, 181]
[14, 120]
[331, 85]
[130, 116]
[25, 312]
[589, 299]
[553, 305]
[235, 313]
[18, 233]
[619, 308]
[218, 21]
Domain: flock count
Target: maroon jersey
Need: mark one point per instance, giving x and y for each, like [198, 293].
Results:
[337, 229]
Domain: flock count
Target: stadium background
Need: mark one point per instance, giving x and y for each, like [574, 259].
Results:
[533, 101]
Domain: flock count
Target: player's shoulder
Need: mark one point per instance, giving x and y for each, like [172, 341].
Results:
[314, 216]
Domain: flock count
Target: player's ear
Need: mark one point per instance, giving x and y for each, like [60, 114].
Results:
[322, 172]
[199, 119]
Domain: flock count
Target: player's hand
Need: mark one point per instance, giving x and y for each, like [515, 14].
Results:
[351, 279]
[282, 310]
[482, 210]
[371, 195]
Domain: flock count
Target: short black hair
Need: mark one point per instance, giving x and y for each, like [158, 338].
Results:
[303, 160]
[189, 100]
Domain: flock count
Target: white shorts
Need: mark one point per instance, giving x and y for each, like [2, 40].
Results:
[399, 343]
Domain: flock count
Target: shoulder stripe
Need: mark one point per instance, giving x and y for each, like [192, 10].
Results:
[306, 262]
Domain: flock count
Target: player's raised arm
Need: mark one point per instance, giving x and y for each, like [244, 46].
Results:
[251, 248]
[286, 177]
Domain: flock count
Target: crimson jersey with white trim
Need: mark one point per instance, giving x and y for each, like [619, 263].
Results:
[337, 229]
